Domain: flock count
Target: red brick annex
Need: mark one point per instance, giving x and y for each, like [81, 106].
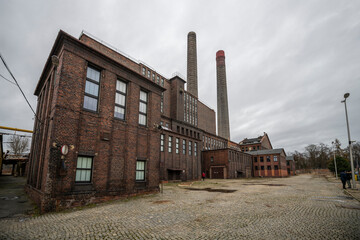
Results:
[109, 126]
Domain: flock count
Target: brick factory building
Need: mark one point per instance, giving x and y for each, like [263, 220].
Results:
[227, 163]
[266, 161]
[109, 126]
[269, 163]
[290, 165]
[253, 144]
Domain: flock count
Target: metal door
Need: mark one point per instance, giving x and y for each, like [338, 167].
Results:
[217, 172]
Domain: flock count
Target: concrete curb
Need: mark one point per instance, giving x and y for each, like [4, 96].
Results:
[352, 195]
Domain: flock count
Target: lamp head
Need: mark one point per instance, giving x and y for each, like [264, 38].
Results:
[346, 95]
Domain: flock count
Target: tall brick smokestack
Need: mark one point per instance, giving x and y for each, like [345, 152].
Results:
[222, 99]
[192, 86]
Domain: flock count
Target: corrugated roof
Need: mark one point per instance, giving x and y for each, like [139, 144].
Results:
[267, 151]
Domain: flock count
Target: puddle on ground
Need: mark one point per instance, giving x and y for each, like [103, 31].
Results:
[212, 190]
[266, 184]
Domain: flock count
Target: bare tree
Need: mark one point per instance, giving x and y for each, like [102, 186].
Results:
[312, 152]
[18, 144]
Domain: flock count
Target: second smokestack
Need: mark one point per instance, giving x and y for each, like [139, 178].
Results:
[222, 99]
[192, 86]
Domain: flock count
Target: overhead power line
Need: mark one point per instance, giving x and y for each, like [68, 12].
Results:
[3, 60]
[7, 79]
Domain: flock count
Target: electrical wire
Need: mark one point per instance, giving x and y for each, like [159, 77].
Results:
[3, 60]
[7, 79]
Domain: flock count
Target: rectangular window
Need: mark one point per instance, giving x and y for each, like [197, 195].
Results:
[153, 77]
[211, 159]
[120, 99]
[287, 163]
[162, 138]
[195, 149]
[83, 169]
[170, 144]
[268, 158]
[275, 158]
[143, 108]
[162, 103]
[140, 170]
[91, 95]
[184, 147]
[255, 159]
[162, 82]
[256, 168]
[157, 79]
[177, 140]
[276, 167]
[262, 167]
[268, 167]
[261, 159]
[149, 74]
[190, 148]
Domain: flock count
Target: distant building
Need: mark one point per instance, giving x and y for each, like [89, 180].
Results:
[254, 144]
[14, 164]
[269, 163]
[290, 164]
[227, 163]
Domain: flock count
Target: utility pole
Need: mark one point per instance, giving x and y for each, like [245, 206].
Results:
[333, 143]
[346, 95]
[1, 153]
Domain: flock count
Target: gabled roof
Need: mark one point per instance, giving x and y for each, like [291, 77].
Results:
[259, 139]
[267, 151]
[251, 140]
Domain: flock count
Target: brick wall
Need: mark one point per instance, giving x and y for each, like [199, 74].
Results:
[235, 163]
[114, 156]
[206, 118]
[280, 163]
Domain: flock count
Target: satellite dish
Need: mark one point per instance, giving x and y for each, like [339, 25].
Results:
[64, 149]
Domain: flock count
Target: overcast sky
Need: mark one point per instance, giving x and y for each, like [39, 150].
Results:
[288, 63]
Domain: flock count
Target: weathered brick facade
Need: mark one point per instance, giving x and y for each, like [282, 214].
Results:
[269, 163]
[114, 145]
[290, 164]
[254, 144]
[102, 147]
[226, 163]
[126, 127]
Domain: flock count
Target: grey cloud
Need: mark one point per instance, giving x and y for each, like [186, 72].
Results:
[288, 62]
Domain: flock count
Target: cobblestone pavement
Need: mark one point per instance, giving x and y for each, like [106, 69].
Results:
[300, 207]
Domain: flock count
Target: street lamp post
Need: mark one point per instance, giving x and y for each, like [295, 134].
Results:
[335, 160]
[346, 95]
